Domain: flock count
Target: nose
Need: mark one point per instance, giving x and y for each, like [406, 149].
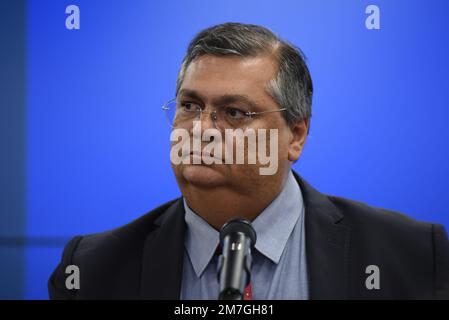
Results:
[208, 120]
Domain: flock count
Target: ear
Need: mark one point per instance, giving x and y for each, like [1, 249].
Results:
[298, 139]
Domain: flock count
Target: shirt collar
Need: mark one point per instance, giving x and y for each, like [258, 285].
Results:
[201, 240]
[273, 227]
[275, 224]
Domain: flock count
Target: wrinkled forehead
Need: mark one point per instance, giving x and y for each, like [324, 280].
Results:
[214, 76]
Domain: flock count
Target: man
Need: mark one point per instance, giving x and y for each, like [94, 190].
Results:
[309, 245]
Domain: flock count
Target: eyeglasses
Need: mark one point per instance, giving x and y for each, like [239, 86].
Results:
[181, 114]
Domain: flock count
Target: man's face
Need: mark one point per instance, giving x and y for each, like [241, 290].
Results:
[210, 81]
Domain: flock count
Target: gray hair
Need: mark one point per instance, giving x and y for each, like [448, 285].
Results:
[291, 88]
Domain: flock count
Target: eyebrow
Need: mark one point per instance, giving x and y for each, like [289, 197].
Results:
[224, 99]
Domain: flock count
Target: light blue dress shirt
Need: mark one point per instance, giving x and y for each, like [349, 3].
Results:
[279, 269]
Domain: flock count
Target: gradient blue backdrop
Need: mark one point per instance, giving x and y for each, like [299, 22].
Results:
[97, 142]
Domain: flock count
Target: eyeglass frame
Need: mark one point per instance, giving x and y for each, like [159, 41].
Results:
[200, 112]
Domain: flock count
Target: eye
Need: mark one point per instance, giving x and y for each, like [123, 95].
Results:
[235, 113]
[188, 106]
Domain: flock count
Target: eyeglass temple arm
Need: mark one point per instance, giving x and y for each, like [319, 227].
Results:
[268, 111]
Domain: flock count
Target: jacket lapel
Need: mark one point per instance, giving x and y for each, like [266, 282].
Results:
[327, 245]
[163, 254]
[327, 250]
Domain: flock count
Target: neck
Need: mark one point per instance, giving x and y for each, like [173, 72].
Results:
[219, 205]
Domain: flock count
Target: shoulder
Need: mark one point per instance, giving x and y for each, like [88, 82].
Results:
[388, 229]
[123, 236]
[362, 214]
[94, 254]
[404, 247]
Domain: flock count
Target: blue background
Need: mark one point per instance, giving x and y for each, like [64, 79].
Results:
[91, 144]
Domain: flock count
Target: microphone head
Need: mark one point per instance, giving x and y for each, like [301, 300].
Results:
[238, 225]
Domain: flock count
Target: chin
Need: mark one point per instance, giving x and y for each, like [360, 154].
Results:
[204, 176]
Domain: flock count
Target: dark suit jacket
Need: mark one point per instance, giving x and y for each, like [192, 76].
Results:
[144, 258]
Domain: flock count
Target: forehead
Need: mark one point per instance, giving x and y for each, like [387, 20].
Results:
[214, 76]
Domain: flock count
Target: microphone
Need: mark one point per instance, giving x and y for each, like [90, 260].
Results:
[237, 239]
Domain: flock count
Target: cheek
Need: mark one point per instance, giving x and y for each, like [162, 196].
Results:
[279, 142]
[283, 150]
[177, 169]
